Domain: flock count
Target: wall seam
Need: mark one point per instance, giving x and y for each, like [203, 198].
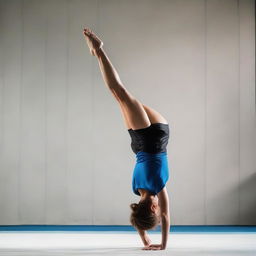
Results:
[3, 92]
[66, 112]
[239, 114]
[46, 114]
[205, 139]
[21, 111]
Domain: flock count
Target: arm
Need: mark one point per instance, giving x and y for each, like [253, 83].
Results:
[144, 237]
[165, 215]
[165, 219]
[165, 230]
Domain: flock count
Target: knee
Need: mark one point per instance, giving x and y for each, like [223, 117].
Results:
[121, 94]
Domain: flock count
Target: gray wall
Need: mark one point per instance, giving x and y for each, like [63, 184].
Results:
[65, 152]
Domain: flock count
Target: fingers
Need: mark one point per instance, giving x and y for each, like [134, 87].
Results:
[151, 248]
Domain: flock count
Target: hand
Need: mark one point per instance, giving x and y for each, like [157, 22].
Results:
[153, 247]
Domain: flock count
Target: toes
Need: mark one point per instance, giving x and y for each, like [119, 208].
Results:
[87, 32]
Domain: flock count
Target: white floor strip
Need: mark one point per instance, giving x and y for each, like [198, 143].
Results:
[124, 243]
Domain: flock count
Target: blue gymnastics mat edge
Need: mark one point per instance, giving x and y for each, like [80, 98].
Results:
[129, 228]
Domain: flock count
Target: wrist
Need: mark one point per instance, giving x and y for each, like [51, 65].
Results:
[147, 241]
[163, 246]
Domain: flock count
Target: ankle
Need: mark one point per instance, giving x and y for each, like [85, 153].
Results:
[98, 52]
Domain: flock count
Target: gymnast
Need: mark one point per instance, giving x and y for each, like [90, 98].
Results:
[149, 132]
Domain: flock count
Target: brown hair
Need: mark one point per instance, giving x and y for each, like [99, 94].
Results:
[142, 217]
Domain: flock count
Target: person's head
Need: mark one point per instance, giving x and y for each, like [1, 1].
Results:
[145, 214]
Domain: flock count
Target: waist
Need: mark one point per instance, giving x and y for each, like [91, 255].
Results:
[142, 156]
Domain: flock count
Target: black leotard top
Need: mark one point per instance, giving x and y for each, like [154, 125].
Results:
[152, 139]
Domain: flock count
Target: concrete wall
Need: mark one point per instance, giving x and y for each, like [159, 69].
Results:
[65, 153]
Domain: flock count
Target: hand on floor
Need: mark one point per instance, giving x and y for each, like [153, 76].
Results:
[153, 247]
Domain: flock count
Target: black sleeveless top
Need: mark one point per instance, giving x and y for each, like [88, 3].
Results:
[152, 139]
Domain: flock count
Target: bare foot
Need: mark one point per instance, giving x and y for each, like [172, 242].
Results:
[94, 43]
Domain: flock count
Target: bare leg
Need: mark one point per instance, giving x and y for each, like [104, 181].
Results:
[154, 116]
[125, 116]
[132, 110]
[135, 114]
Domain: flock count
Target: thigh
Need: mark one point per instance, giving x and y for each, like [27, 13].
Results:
[126, 119]
[154, 116]
[133, 111]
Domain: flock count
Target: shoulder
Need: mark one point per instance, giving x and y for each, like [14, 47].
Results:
[163, 194]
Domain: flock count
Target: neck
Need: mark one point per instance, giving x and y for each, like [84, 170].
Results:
[145, 195]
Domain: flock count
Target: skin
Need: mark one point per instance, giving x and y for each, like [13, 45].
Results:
[145, 195]
[160, 206]
[136, 115]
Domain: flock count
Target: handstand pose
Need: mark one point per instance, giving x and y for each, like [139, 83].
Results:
[149, 133]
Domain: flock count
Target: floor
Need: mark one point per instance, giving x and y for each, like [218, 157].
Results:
[123, 243]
